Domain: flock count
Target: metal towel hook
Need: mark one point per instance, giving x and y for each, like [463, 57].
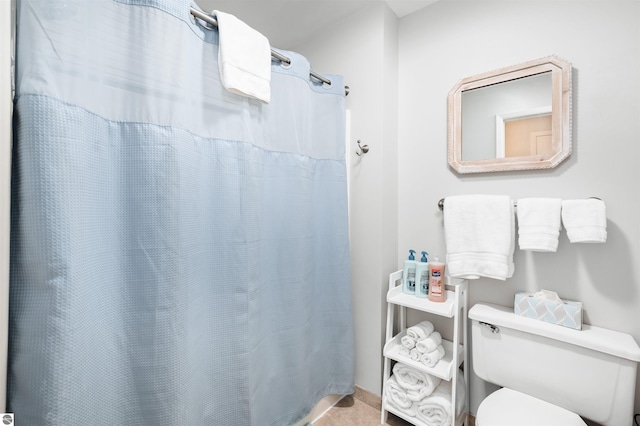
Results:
[362, 149]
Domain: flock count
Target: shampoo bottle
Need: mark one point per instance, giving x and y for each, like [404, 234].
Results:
[409, 274]
[422, 276]
[437, 291]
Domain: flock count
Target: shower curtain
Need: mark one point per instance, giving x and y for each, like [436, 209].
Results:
[179, 254]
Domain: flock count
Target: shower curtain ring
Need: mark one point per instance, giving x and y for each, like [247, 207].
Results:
[362, 149]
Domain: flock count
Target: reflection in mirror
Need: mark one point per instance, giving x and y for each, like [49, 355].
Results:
[487, 112]
[524, 133]
[511, 119]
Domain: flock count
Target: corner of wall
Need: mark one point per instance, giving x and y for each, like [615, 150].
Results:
[389, 100]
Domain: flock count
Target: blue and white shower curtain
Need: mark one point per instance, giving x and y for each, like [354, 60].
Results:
[179, 253]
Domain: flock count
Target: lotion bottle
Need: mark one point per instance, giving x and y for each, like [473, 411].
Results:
[409, 274]
[437, 292]
[422, 277]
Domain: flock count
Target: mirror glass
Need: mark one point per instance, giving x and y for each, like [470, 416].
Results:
[515, 118]
[517, 104]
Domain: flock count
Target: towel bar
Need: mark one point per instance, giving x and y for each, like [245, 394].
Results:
[515, 203]
[441, 204]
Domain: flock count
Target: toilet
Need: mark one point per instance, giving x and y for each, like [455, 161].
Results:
[551, 375]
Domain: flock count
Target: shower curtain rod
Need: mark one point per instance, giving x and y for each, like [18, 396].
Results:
[280, 57]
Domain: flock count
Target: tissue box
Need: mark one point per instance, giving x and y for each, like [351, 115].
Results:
[561, 312]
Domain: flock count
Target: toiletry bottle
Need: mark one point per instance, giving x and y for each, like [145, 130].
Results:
[422, 276]
[409, 274]
[437, 291]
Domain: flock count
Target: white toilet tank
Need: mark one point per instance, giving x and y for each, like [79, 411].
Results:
[591, 372]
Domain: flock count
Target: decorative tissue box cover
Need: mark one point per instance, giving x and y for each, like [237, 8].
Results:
[566, 313]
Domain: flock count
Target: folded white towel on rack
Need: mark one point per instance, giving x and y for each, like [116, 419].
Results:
[430, 359]
[408, 342]
[244, 58]
[539, 223]
[420, 330]
[436, 409]
[585, 220]
[416, 383]
[480, 236]
[397, 396]
[430, 343]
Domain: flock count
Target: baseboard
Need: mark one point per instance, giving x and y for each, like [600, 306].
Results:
[324, 405]
[369, 398]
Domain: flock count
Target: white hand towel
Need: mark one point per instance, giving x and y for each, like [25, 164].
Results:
[430, 343]
[539, 223]
[416, 383]
[480, 236]
[408, 342]
[244, 58]
[420, 330]
[585, 220]
[397, 396]
[430, 359]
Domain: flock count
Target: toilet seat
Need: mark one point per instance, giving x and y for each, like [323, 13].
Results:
[506, 407]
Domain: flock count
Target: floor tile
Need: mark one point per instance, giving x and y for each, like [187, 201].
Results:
[353, 412]
[350, 411]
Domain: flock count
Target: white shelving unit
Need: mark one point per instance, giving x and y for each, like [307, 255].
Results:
[448, 368]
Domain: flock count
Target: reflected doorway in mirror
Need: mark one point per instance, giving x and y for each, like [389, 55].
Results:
[524, 133]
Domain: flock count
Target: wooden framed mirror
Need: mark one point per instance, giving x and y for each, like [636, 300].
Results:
[514, 118]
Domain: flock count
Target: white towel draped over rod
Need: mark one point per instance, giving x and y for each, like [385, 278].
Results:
[277, 55]
[515, 204]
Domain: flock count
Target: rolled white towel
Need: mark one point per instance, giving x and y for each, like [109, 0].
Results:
[397, 396]
[417, 384]
[430, 343]
[435, 409]
[431, 358]
[408, 342]
[420, 330]
[414, 354]
[403, 351]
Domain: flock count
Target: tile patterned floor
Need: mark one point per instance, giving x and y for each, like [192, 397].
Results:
[352, 411]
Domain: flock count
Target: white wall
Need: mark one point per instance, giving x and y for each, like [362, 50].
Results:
[453, 39]
[438, 46]
[363, 48]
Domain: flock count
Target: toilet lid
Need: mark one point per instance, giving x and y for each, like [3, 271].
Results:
[506, 407]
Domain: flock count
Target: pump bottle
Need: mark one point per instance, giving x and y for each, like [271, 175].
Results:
[437, 292]
[409, 274]
[422, 277]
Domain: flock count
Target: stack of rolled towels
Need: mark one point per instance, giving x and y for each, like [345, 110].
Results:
[422, 344]
[421, 395]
